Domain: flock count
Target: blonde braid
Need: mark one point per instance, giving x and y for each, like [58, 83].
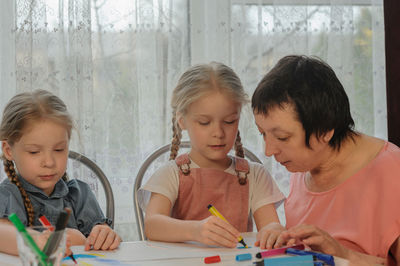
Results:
[176, 139]
[12, 176]
[239, 146]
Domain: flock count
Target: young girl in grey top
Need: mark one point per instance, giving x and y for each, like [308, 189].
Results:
[35, 132]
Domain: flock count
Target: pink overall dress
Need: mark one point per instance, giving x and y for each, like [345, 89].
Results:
[200, 187]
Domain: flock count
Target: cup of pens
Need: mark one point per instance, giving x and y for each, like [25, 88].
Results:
[48, 255]
[43, 246]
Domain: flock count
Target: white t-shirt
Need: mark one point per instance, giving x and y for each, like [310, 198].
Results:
[165, 181]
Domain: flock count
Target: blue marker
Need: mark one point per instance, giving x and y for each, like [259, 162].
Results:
[328, 259]
[306, 260]
[242, 257]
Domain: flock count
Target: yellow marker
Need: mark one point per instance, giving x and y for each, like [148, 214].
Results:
[214, 212]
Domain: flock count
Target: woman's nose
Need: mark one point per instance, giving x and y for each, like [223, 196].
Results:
[270, 148]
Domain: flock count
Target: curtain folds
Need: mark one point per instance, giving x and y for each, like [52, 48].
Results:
[116, 62]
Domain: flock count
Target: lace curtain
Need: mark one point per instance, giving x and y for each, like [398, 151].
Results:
[115, 64]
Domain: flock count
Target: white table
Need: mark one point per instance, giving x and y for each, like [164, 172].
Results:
[159, 253]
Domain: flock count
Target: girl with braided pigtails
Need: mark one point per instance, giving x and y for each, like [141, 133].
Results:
[207, 103]
[35, 132]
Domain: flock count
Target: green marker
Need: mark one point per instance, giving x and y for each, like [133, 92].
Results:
[28, 239]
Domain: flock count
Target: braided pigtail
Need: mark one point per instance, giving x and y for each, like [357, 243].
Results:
[239, 146]
[12, 176]
[176, 138]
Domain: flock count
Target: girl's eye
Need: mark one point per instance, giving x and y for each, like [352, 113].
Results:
[204, 123]
[59, 150]
[230, 122]
[33, 152]
[283, 139]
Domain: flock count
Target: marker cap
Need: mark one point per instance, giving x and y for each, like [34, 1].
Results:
[242, 257]
[213, 259]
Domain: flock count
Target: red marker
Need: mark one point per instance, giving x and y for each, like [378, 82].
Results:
[43, 220]
[213, 259]
[46, 223]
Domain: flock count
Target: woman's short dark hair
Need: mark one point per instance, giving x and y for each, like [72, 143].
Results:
[312, 88]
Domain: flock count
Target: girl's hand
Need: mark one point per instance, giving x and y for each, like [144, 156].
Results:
[40, 238]
[268, 235]
[67, 246]
[102, 237]
[75, 237]
[215, 231]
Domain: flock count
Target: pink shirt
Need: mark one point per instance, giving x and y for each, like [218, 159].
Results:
[362, 213]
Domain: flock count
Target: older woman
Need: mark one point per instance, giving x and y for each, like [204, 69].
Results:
[345, 186]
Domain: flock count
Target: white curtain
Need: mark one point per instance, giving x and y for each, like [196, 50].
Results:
[115, 63]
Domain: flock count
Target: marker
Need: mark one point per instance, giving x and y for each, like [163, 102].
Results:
[328, 259]
[306, 260]
[54, 240]
[242, 257]
[214, 212]
[213, 259]
[277, 251]
[72, 258]
[46, 223]
[28, 238]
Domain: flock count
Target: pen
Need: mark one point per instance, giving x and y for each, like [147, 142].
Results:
[328, 259]
[28, 238]
[45, 222]
[214, 212]
[54, 240]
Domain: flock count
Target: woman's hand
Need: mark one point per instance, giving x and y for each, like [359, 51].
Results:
[102, 237]
[268, 235]
[315, 238]
[321, 241]
[215, 231]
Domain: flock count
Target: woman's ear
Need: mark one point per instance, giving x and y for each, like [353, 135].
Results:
[6, 150]
[327, 136]
[181, 121]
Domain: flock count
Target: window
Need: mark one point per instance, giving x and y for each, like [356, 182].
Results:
[115, 64]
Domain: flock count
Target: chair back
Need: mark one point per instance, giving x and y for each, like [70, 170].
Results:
[95, 169]
[142, 171]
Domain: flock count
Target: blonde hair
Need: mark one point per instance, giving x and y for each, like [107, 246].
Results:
[21, 111]
[196, 82]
